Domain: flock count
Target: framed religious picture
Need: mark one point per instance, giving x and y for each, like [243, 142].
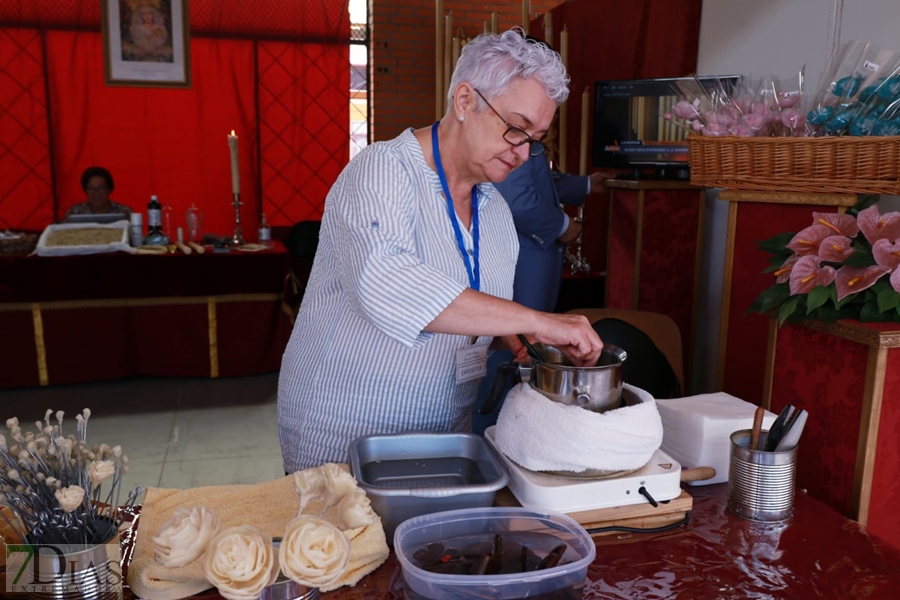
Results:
[146, 43]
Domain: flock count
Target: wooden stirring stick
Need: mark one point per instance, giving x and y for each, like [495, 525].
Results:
[757, 427]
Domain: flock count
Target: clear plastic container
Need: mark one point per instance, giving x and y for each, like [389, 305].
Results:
[540, 531]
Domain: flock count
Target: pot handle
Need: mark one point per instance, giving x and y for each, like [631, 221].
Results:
[502, 380]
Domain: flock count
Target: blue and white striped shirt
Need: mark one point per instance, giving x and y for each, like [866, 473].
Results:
[358, 361]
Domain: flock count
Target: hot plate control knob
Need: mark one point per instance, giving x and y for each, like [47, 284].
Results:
[582, 396]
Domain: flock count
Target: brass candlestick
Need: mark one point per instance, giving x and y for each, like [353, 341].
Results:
[238, 238]
[577, 262]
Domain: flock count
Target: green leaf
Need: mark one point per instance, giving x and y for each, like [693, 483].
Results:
[888, 300]
[827, 314]
[863, 203]
[882, 285]
[870, 313]
[777, 244]
[818, 296]
[786, 310]
[770, 298]
[862, 257]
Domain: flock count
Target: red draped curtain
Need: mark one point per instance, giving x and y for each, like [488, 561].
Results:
[276, 73]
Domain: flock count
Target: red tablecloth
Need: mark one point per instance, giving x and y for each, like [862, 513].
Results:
[818, 554]
[103, 316]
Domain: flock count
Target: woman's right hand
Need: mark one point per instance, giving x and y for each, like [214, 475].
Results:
[572, 335]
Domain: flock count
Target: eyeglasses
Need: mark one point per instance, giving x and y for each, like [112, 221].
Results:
[513, 135]
[99, 188]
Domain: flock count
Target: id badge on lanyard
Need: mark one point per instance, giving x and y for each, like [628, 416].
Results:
[471, 361]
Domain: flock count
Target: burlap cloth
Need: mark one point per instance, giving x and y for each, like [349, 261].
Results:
[268, 506]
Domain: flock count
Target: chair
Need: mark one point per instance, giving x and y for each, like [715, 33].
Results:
[302, 242]
[653, 343]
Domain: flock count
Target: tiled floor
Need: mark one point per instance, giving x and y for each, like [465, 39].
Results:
[177, 433]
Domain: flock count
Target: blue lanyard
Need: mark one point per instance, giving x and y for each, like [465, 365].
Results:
[474, 273]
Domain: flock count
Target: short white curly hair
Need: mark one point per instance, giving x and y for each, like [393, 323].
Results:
[491, 62]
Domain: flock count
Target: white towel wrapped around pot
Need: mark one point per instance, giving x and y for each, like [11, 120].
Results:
[542, 435]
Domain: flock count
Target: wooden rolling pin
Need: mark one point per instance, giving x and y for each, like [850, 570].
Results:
[698, 474]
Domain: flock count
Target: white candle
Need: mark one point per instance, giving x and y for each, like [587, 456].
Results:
[548, 27]
[235, 170]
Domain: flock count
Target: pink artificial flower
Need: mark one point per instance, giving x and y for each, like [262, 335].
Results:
[808, 240]
[667, 116]
[887, 254]
[895, 280]
[807, 274]
[685, 110]
[715, 130]
[792, 118]
[835, 248]
[696, 125]
[787, 99]
[876, 226]
[758, 108]
[742, 130]
[755, 121]
[850, 280]
[839, 223]
[783, 274]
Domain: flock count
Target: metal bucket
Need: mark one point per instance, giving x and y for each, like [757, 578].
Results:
[596, 388]
[75, 572]
[760, 483]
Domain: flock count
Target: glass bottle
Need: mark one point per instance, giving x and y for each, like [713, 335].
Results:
[155, 236]
[193, 220]
[265, 233]
[168, 221]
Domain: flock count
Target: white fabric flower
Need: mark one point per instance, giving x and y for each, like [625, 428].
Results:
[69, 498]
[338, 483]
[309, 483]
[184, 537]
[355, 510]
[240, 562]
[99, 471]
[313, 552]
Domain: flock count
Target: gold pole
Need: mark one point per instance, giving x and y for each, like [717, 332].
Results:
[439, 59]
[448, 57]
[526, 14]
[564, 108]
[495, 23]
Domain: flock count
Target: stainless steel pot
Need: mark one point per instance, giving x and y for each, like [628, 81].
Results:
[596, 388]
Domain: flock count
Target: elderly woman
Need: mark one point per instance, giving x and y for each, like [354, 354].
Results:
[97, 184]
[415, 264]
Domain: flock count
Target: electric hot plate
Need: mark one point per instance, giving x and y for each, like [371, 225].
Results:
[660, 478]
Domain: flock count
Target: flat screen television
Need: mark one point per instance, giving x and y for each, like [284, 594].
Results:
[631, 132]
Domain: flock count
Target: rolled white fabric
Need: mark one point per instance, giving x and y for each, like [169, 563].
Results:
[313, 552]
[240, 562]
[542, 435]
[184, 537]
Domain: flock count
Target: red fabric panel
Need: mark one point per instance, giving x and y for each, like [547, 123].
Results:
[308, 18]
[610, 39]
[825, 375]
[884, 519]
[172, 143]
[669, 258]
[26, 192]
[622, 240]
[304, 98]
[747, 334]
[252, 337]
[18, 361]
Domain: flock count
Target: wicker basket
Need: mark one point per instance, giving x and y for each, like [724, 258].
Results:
[848, 164]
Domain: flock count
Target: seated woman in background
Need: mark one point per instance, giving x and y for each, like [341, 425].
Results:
[97, 184]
